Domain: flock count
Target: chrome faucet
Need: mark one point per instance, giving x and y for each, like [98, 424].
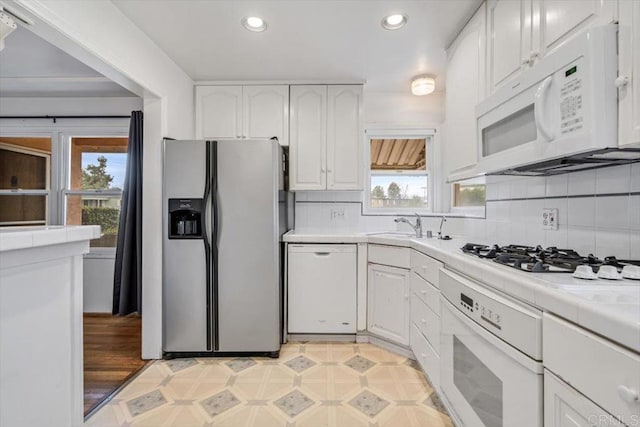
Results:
[442, 221]
[417, 228]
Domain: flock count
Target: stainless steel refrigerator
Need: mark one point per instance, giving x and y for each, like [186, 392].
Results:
[224, 215]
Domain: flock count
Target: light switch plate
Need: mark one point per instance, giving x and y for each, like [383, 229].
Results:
[550, 218]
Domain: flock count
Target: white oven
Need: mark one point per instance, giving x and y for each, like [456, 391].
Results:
[565, 105]
[491, 352]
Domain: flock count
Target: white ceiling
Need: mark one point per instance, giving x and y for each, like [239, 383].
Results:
[305, 40]
[30, 66]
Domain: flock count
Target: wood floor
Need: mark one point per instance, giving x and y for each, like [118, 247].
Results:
[112, 346]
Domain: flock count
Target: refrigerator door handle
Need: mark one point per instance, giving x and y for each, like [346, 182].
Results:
[215, 218]
[206, 227]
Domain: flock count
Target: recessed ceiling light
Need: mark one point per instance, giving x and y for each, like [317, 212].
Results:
[393, 22]
[254, 23]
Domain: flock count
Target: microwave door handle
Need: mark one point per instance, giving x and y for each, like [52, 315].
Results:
[538, 106]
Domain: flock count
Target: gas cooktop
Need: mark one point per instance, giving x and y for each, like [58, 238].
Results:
[545, 260]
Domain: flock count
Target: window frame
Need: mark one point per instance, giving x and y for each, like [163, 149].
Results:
[61, 134]
[429, 136]
[67, 140]
[472, 211]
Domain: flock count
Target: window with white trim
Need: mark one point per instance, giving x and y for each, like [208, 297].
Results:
[41, 169]
[468, 196]
[398, 174]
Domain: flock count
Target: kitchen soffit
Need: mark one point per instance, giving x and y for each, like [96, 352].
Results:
[306, 40]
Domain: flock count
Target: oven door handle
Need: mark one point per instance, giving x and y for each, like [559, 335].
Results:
[540, 100]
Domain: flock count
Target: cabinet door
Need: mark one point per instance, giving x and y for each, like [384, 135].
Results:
[266, 112]
[562, 19]
[345, 137]
[465, 88]
[389, 314]
[629, 67]
[308, 132]
[565, 407]
[509, 26]
[218, 112]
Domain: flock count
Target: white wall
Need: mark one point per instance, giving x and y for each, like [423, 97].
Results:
[97, 33]
[598, 210]
[97, 284]
[402, 109]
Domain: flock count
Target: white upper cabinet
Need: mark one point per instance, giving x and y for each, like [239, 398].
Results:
[345, 137]
[266, 112]
[326, 137]
[465, 88]
[562, 19]
[629, 72]
[307, 155]
[241, 112]
[219, 112]
[509, 40]
[519, 32]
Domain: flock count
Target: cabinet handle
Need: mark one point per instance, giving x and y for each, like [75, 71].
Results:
[329, 170]
[423, 292]
[627, 394]
[621, 81]
[322, 253]
[322, 170]
[526, 61]
[239, 136]
[406, 296]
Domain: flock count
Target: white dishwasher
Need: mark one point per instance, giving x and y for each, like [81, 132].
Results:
[322, 289]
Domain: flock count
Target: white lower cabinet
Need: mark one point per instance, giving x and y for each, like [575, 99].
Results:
[322, 289]
[603, 371]
[426, 356]
[388, 302]
[565, 407]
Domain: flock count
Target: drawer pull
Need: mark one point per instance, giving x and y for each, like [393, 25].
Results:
[322, 253]
[627, 394]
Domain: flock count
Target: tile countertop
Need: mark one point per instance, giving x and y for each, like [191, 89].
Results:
[608, 308]
[12, 238]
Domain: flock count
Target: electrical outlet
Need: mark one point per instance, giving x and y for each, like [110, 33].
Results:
[550, 218]
[337, 213]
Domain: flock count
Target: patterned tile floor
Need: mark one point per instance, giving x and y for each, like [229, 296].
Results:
[310, 385]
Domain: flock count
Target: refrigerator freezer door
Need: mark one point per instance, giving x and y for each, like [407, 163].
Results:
[186, 313]
[248, 246]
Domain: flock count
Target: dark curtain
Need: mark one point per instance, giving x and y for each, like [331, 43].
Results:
[127, 281]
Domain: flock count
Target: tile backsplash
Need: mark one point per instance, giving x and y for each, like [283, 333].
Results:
[598, 211]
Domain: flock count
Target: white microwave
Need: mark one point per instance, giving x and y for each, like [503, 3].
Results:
[564, 106]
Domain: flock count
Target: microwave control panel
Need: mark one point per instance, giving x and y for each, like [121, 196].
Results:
[571, 96]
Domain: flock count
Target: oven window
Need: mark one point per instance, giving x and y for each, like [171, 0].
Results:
[517, 129]
[481, 388]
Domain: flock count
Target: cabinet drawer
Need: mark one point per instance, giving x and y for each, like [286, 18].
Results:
[389, 255]
[426, 321]
[426, 292]
[426, 357]
[427, 267]
[601, 370]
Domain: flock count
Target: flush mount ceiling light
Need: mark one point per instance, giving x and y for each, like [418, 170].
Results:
[423, 85]
[394, 22]
[254, 23]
